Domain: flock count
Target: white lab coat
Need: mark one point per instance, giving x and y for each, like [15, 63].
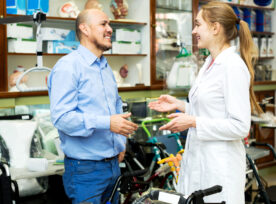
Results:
[214, 152]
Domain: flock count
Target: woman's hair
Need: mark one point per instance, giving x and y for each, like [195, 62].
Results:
[233, 27]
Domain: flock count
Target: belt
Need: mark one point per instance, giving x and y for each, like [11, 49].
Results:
[110, 158]
[104, 160]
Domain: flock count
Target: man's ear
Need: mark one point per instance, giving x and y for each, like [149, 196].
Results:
[84, 29]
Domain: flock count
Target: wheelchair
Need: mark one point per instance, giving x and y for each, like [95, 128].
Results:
[263, 193]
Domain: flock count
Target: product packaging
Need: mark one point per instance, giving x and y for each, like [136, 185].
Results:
[263, 47]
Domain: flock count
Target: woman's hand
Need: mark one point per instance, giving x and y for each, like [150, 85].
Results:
[165, 103]
[179, 122]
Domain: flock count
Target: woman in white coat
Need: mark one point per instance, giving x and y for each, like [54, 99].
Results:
[219, 110]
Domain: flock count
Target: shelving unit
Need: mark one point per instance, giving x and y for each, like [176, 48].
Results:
[172, 25]
[242, 5]
[57, 54]
[262, 33]
[138, 18]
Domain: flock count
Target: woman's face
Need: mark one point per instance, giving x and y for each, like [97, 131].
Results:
[202, 32]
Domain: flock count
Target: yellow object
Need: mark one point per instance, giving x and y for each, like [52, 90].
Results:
[173, 161]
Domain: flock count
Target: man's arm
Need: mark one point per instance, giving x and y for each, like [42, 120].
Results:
[63, 90]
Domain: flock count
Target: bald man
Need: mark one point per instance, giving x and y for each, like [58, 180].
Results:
[87, 111]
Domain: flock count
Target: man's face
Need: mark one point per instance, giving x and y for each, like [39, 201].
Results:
[100, 31]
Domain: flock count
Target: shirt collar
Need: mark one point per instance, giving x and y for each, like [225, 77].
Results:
[90, 58]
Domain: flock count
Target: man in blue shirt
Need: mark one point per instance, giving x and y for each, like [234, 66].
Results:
[87, 111]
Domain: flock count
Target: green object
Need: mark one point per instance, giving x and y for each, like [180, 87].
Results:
[204, 52]
[152, 121]
[183, 53]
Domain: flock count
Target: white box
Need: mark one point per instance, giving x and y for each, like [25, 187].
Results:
[123, 47]
[61, 46]
[22, 45]
[17, 30]
[128, 35]
[57, 34]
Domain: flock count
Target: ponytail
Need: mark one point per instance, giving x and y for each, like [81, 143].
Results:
[249, 54]
[234, 27]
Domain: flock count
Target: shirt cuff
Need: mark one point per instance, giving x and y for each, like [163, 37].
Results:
[201, 134]
[103, 122]
[187, 107]
[98, 122]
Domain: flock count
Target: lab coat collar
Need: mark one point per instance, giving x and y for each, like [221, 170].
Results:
[224, 54]
[220, 58]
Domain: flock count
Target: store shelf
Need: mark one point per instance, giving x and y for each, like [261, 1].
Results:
[69, 20]
[56, 54]
[126, 55]
[20, 94]
[170, 9]
[262, 33]
[264, 82]
[242, 5]
[45, 93]
[134, 88]
[265, 58]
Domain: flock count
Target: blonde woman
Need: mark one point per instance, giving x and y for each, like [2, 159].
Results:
[219, 113]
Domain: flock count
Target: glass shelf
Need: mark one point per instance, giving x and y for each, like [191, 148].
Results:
[173, 29]
[59, 54]
[243, 5]
[169, 9]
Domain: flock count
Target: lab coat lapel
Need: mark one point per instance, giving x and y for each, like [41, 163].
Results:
[194, 90]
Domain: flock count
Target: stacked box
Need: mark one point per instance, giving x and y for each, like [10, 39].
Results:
[35, 5]
[16, 7]
[128, 35]
[21, 45]
[26, 6]
[17, 30]
[127, 41]
[61, 47]
[123, 47]
[58, 34]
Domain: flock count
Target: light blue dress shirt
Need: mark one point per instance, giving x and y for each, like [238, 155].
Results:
[83, 95]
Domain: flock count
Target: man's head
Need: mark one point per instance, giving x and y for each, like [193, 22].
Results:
[93, 30]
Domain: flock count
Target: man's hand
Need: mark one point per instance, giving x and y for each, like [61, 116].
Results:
[120, 125]
[121, 156]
